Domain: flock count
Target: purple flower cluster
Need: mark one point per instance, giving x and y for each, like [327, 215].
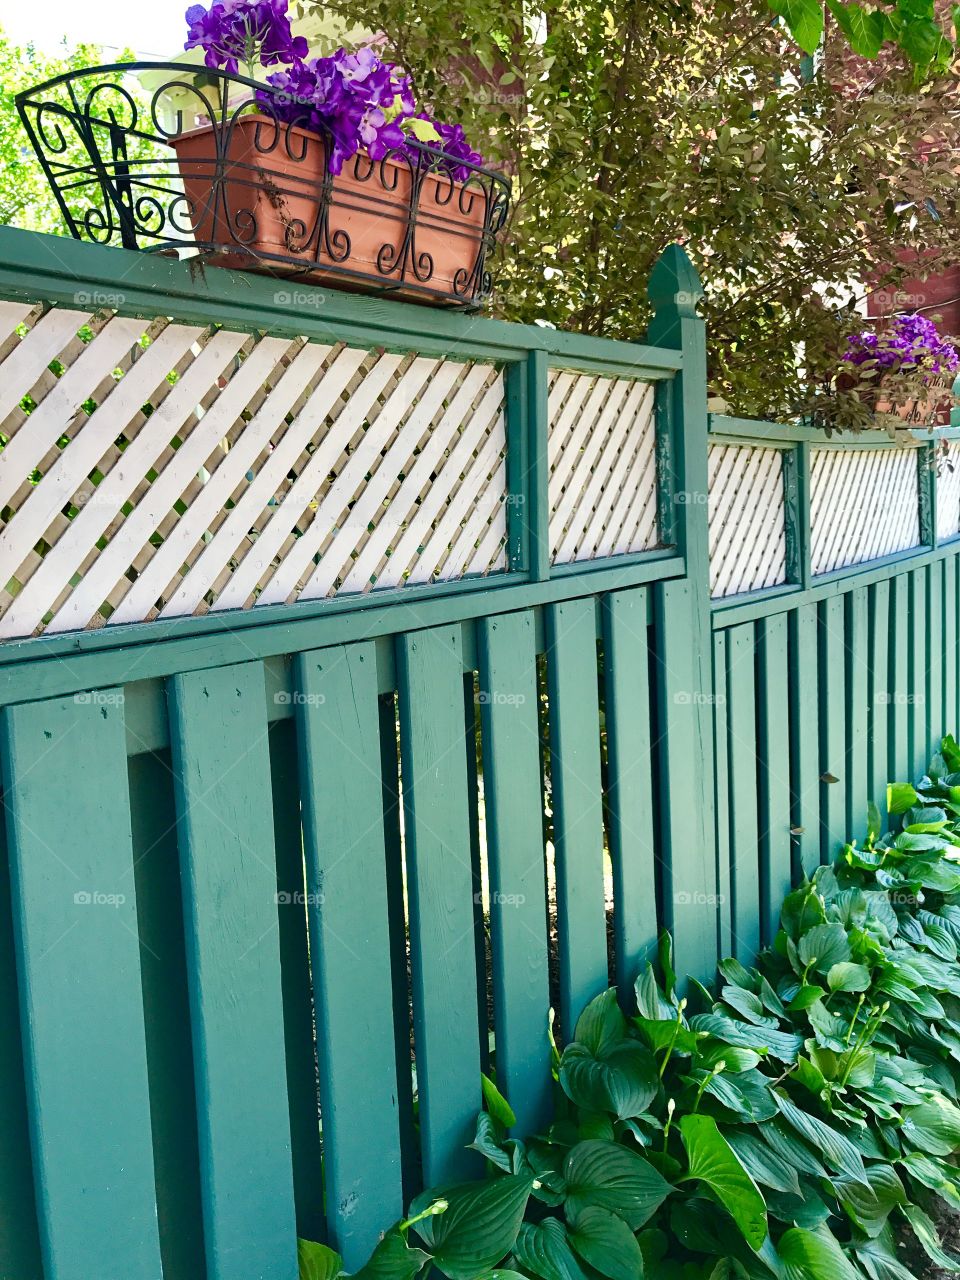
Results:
[911, 341]
[243, 31]
[358, 100]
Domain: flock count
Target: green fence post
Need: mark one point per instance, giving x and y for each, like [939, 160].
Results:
[927, 486]
[796, 510]
[684, 637]
[536, 490]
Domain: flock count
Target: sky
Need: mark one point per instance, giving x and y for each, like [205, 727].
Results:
[152, 28]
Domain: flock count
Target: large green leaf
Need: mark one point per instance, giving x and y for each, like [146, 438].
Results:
[926, 1233]
[612, 1177]
[714, 1162]
[497, 1104]
[606, 1242]
[935, 1174]
[804, 20]
[869, 1204]
[317, 1261]
[900, 797]
[621, 1079]
[478, 1227]
[824, 946]
[748, 1005]
[488, 1141]
[789, 1148]
[838, 1149]
[602, 1024]
[748, 1094]
[393, 1259]
[761, 1163]
[846, 976]
[781, 1044]
[544, 1250]
[602, 1070]
[813, 1255]
[933, 1127]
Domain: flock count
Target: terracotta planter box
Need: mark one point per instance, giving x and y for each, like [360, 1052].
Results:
[269, 198]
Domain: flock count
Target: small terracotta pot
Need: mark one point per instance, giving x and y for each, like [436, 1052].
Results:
[265, 200]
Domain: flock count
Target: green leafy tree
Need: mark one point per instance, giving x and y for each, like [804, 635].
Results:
[25, 196]
[628, 126]
[913, 27]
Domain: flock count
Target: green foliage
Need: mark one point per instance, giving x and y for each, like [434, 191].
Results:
[797, 1126]
[25, 196]
[627, 127]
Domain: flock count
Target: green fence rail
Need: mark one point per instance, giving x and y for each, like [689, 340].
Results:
[283, 880]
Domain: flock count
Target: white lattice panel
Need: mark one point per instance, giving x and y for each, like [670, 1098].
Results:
[948, 492]
[748, 541]
[160, 469]
[864, 504]
[603, 466]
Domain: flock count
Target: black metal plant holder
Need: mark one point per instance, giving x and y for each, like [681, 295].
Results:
[255, 189]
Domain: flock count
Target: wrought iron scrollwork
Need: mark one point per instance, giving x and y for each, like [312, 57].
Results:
[164, 158]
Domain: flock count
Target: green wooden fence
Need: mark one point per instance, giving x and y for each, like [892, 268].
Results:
[284, 878]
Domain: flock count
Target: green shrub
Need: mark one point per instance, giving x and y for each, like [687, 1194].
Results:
[792, 1126]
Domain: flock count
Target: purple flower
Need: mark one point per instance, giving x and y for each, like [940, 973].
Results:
[911, 341]
[235, 31]
[356, 100]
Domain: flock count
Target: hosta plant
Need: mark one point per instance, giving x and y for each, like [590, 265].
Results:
[800, 1122]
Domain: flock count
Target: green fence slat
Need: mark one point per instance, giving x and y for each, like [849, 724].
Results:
[804, 740]
[878, 694]
[303, 1101]
[684, 767]
[721, 734]
[78, 958]
[221, 762]
[19, 1234]
[630, 801]
[518, 907]
[173, 1109]
[856, 606]
[773, 750]
[742, 766]
[339, 733]
[833, 727]
[899, 763]
[396, 915]
[949, 640]
[440, 889]
[935, 656]
[577, 805]
[918, 733]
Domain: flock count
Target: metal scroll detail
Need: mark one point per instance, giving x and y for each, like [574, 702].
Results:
[161, 158]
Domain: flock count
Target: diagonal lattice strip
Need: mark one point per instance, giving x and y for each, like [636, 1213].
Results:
[748, 544]
[948, 492]
[603, 466]
[864, 504]
[149, 468]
